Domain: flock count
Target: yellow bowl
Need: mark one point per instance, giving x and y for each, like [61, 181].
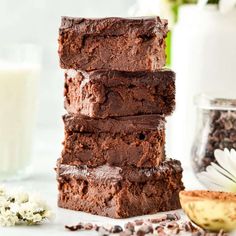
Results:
[210, 210]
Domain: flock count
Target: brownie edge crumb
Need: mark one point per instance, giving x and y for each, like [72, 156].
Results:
[168, 224]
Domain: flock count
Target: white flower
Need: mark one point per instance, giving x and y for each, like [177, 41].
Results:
[8, 218]
[48, 214]
[21, 197]
[22, 208]
[221, 176]
[160, 8]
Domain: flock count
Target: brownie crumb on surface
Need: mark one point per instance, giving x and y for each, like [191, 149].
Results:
[165, 225]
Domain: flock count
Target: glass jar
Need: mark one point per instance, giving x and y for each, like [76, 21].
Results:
[215, 129]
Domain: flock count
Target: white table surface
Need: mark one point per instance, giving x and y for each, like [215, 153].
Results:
[43, 181]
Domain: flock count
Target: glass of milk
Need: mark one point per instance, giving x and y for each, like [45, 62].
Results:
[19, 73]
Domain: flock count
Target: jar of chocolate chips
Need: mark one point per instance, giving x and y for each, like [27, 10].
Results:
[215, 129]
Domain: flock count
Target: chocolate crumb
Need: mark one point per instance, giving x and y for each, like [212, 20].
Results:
[165, 226]
[158, 220]
[126, 233]
[146, 229]
[130, 226]
[75, 227]
[170, 217]
[177, 216]
[138, 222]
[116, 229]
[159, 229]
[88, 226]
[172, 225]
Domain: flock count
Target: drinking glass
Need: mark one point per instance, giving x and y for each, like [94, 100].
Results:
[19, 74]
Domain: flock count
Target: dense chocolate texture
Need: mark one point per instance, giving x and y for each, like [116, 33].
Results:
[133, 140]
[126, 44]
[102, 94]
[120, 192]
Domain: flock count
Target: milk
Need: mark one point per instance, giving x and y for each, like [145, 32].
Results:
[18, 85]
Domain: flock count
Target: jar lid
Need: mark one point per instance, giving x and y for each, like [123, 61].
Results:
[211, 103]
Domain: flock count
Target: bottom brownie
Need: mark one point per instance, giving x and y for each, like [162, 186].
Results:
[120, 192]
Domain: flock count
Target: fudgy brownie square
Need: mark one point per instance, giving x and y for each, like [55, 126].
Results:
[101, 94]
[127, 44]
[134, 140]
[120, 192]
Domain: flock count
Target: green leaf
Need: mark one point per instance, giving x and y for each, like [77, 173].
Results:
[168, 49]
[213, 2]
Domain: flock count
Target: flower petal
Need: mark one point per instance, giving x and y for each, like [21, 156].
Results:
[223, 171]
[219, 156]
[224, 160]
[233, 158]
[209, 185]
[218, 178]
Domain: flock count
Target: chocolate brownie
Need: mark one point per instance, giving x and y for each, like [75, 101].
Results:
[102, 94]
[133, 140]
[127, 44]
[120, 192]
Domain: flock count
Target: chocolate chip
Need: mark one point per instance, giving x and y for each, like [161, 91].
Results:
[170, 217]
[145, 229]
[140, 233]
[158, 220]
[88, 226]
[141, 136]
[116, 229]
[138, 222]
[77, 227]
[172, 225]
[177, 216]
[130, 226]
[160, 231]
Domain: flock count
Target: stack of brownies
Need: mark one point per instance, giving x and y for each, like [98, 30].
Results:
[117, 96]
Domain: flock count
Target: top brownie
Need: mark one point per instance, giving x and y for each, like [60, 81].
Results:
[126, 44]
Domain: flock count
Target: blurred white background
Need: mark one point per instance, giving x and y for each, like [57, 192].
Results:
[37, 21]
